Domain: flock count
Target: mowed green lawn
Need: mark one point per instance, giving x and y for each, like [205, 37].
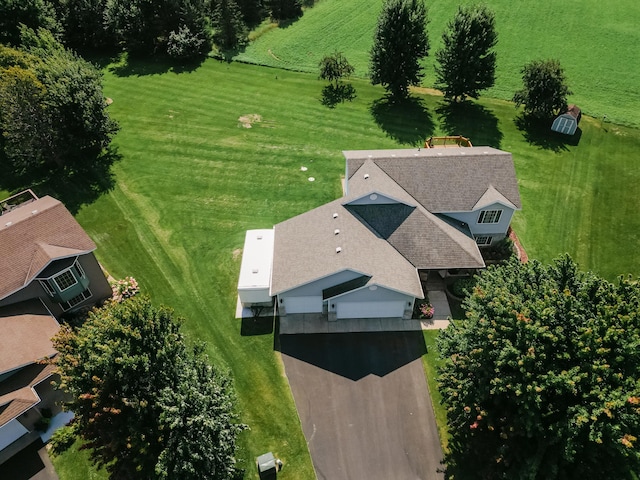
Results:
[192, 179]
[595, 41]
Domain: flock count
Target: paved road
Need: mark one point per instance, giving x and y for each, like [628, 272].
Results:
[364, 405]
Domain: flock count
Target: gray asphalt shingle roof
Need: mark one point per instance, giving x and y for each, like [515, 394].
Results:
[444, 180]
[305, 250]
[389, 242]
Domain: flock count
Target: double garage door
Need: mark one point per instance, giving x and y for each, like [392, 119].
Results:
[370, 309]
[313, 304]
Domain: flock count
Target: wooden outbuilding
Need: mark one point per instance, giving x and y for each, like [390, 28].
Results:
[567, 123]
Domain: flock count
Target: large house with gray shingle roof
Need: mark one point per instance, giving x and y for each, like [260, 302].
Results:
[47, 269]
[404, 212]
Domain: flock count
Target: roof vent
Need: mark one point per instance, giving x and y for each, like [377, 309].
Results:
[366, 175]
[393, 154]
[373, 196]
[259, 237]
[338, 249]
[33, 212]
[335, 215]
[336, 231]
[255, 270]
[8, 224]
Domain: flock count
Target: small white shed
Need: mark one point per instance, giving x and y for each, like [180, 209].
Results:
[567, 123]
[255, 270]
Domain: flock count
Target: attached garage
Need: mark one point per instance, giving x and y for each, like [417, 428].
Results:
[306, 304]
[386, 309]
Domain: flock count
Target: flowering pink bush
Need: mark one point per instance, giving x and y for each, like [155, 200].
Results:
[426, 310]
[124, 288]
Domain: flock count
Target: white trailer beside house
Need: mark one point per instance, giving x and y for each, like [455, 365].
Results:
[255, 271]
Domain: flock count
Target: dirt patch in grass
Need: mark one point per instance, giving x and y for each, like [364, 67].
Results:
[237, 253]
[248, 120]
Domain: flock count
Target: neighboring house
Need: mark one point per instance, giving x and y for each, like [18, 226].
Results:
[404, 213]
[47, 269]
[567, 123]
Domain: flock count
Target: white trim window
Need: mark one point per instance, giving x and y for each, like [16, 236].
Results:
[76, 300]
[65, 280]
[79, 268]
[48, 288]
[483, 240]
[489, 216]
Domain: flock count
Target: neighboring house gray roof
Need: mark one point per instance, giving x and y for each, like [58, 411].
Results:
[33, 235]
[444, 180]
[305, 251]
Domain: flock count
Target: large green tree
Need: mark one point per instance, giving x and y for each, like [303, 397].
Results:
[230, 29]
[400, 42]
[466, 64]
[148, 27]
[63, 93]
[284, 9]
[32, 13]
[146, 405]
[84, 24]
[542, 379]
[545, 90]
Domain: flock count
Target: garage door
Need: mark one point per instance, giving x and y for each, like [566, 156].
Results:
[370, 309]
[309, 304]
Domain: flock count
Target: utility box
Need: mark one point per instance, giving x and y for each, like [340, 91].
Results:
[267, 466]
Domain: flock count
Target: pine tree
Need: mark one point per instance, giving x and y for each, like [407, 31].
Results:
[230, 30]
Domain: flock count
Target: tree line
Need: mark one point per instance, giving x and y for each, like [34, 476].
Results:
[465, 65]
[179, 28]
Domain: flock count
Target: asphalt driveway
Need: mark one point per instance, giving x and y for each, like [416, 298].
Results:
[364, 404]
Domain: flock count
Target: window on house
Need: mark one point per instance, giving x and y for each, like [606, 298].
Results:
[76, 300]
[47, 286]
[79, 269]
[65, 280]
[483, 240]
[489, 216]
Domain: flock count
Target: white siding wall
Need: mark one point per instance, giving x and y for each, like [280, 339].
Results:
[497, 230]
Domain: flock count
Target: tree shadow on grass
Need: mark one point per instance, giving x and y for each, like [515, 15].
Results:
[470, 120]
[407, 121]
[73, 186]
[332, 95]
[129, 65]
[538, 133]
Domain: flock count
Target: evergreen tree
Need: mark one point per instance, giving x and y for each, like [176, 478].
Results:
[284, 9]
[541, 378]
[400, 42]
[466, 64]
[230, 30]
[545, 89]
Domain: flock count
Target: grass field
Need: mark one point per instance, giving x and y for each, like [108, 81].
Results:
[193, 178]
[596, 43]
